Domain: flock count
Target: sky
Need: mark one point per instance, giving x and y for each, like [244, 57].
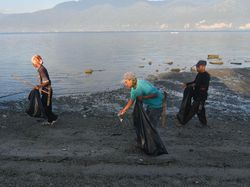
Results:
[21, 6]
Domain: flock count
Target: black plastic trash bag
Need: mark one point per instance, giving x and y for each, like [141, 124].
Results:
[185, 104]
[147, 136]
[35, 107]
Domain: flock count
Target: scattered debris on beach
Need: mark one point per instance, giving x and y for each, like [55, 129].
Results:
[4, 116]
[152, 78]
[236, 63]
[89, 71]
[169, 63]
[212, 56]
[177, 70]
[141, 66]
[216, 62]
[215, 59]
[150, 63]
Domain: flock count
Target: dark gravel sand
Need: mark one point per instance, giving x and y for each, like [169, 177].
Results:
[88, 146]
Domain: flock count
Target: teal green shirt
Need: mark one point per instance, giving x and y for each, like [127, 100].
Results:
[144, 88]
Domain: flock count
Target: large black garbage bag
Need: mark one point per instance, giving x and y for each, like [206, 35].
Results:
[35, 107]
[185, 104]
[147, 136]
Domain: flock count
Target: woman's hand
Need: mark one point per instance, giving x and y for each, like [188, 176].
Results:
[184, 85]
[122, 112]
[37, 87]
[127, 107]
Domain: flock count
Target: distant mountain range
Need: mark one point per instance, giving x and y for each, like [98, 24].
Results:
[133, 15]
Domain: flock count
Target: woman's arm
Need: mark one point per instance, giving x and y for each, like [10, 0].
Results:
[151, 96]
[42, 85]
[129, 104]
[46, 83]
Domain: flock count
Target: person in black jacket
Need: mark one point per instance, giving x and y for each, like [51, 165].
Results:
[200, 86]
[45, 86]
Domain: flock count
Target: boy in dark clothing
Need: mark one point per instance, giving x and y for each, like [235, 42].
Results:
[200, 86]
[45, 85]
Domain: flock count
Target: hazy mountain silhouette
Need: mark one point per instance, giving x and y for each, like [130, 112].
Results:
[132, 15]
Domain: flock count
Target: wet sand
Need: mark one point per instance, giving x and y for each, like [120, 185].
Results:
[88, 146]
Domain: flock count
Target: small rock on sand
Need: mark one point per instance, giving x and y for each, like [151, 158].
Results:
[213, 56]
[176, 70]
[89, 71]
[152, 78]
[170, 63]
[217, 62]
[236, 63]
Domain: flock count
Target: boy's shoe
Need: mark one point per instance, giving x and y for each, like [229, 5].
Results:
[52, 123]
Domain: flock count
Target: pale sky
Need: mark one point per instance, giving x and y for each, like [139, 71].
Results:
[20, 6]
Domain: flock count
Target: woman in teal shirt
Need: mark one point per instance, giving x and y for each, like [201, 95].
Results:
[144, 91]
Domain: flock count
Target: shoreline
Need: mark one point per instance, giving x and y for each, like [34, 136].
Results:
[220, 72]
[228, 95]
[233, 81]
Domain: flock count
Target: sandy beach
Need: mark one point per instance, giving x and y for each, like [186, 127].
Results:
[88, 146]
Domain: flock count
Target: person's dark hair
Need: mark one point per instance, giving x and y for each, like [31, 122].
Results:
[201, 62]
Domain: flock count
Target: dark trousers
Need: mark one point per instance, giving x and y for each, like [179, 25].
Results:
[197, 107]
[48, 109]
[154, 115]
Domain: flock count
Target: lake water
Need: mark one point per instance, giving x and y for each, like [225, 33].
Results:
[68, 55]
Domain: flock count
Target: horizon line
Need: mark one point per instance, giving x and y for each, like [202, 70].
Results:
[175, 31]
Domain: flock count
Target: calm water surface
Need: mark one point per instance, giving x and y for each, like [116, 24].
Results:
[67, 55]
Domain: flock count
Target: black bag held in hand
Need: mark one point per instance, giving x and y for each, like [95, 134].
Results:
[185, 104]
[35, 107]
[147, 135]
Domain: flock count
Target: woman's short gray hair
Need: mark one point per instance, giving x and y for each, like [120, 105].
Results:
[129, 76]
